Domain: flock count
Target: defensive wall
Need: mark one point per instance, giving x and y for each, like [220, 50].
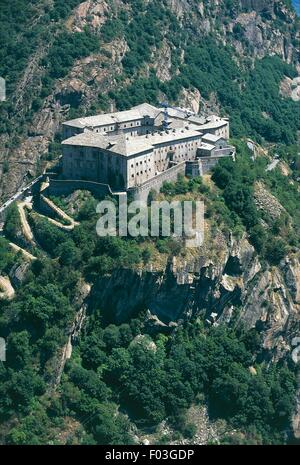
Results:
[141, 192]
[59, 187]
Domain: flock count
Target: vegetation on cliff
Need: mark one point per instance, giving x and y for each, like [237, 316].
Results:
[122, 377]
[250, 95]
[236, 181]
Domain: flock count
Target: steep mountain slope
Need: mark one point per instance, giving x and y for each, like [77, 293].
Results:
[62, 59]
[108, 336]
[155, 331]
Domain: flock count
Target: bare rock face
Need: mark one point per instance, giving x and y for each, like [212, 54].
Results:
[92, 13]
[291, 270]
[190, 99]
[163, 62]
[252, 26]
[291, 88]
[211, 283]
[270, 303]
[260, 38]
[18, 273]
[58, 361]
[179, 7]
[182, 287]
[265, 201]
[258, 5]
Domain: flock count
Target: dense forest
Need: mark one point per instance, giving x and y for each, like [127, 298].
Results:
[121, 377]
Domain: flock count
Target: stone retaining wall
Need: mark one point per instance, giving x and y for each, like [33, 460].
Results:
[170, 175]
[66, 187]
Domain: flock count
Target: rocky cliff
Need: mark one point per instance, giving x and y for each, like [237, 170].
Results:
[225, 281]
[226, 284]
[229, 283]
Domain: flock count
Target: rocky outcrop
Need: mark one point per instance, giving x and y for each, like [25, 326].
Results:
[291, 88]
[190, 99]
[265, 201]
[290, 268]
[219, 283]
[89, 13]
[258, 5]
[18, 273]
[163, 62]
[7, 292]
[267, 298]
[57, 363]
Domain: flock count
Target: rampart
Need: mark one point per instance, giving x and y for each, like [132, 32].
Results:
[65, 187]
[141, 192]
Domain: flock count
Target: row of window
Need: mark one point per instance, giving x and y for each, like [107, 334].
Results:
[141, 162]
[112, 128]
[142, 172]
[157, 161]
[175, 147]
[138, 123]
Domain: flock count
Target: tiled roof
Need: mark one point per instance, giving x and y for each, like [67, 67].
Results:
[211, 137]
[124, 145]
[133, 114]
[205, 146]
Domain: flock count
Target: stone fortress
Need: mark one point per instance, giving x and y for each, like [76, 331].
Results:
[138, 149]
